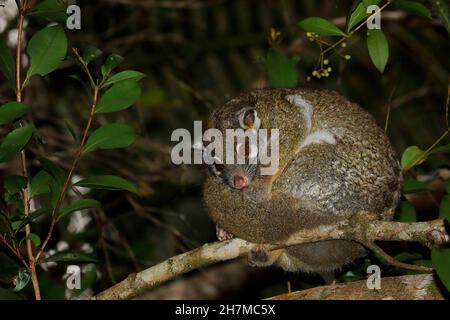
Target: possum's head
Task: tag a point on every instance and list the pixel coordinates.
(240, 115)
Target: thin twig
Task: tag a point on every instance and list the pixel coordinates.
(71, 172)
(388, 113)
(23, 158)
(395, 263)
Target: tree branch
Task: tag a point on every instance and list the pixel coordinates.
(361, 228)
(410, 287)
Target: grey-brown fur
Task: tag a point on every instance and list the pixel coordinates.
(317, 184)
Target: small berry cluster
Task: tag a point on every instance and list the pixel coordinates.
(312, 36)
(323, 71)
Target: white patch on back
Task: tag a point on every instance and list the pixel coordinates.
(319, 137)
(304, 105)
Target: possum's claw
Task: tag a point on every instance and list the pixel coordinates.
(223, 235)
(261, 257)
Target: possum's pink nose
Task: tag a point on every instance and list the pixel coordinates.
(240, 182)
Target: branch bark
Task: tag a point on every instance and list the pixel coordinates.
(410, 287)
(361, 228)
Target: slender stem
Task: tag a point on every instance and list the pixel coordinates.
(389, 107)
(388, 115)
(427, 152)
(436, 143)
(86, 69)
(354, 30)
(23, 157)
(67, 183)
(395, 263)
(14, 250)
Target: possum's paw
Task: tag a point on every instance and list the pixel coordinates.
(261, 257)
(222, 235)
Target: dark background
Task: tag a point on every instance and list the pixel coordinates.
(196, 55)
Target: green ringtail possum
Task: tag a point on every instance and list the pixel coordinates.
(333, 161)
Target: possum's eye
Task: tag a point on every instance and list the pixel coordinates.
(248, 118)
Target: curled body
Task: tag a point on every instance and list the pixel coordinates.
(333, 161)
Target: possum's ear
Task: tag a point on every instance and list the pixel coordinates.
(248, 118)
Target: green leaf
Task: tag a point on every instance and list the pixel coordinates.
(357, 15)
(7, 66)
(378, 48)
(70, 257)
(123, 76)
(112, 62)
(14, 142)
(119, 97)
(18, 225)
(359, 12)
(59, 176)
(40, 184)
(441, 262)
(47, 49)
(79, 205)
(368, 3)
(320, 26)
(21, 280)
(90, 53)
(444, 208)
(414, 186)
(407, 212)
(110, 136)
(281, 70)
(414, 8)
(71, 129)
(412, 156)
(35, 239)
(58, 173)
(107, 182)
(12, 111)
(39, 212)
(53, 10)
(14, 184)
